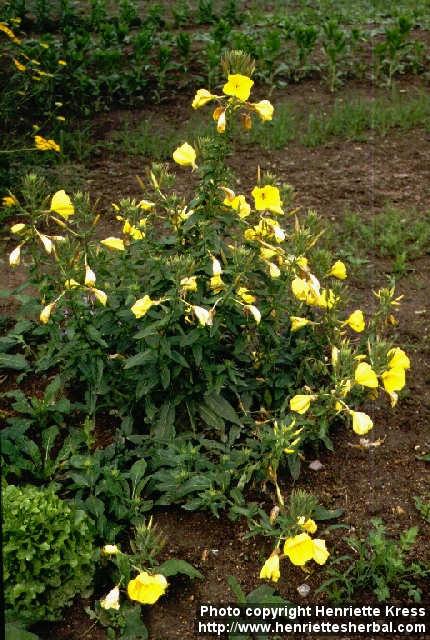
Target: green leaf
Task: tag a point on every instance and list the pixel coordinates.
(13, 361)
(177, 357)
(174, 566)
(95, 335)
(165, 426)
(134, 628)
(211, 418)
(165, 376)
(294, 465)
(140, 358)
(236, 589)
(222, 408)
(321, 513)
(137, 471)
(264, 594)
(14, 632)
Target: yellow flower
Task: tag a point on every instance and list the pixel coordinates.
(203, 315)
(274, 270)
(300, 289)
(146, 205)
(320, 553)
(299, 549)
(110, 550)
(113, 243)
(297, 322)
(239, 204)
(267, 254)
(90, 276)
(398, 359)
(71, 284)
(243, 293)
(47, 243)
(365, 375)
(216, 267)
(338, 270)
(361, 423)
(15, 256)
(254, 311)
(238, 86)
(62, 204)
(221, 122)
(17, 228)
(142, 306)
(185, 156)
(267, 198)
(46, 145)
(10, 34)
(9, 201)
(301, 403)
(136, 234)
(202, 97)
(326, 299)
(146, 589)
(45, 314)
(308, 525)
(264, 109)
(270, 569)
(334, 356)
(100, 295)
(189, 284)
(356, 321)
(393, 379)
(19, 65)
(111, 601)
(216, 283)
(62, 63)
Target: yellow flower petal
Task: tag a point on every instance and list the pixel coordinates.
(113, 243)
(319, 553)
(185, 156)
(45, 314)
(17, 228)
(264, 109)
(254, 312)
(308, 525)
(111, 600)
(361, 422)
(142, 306)
(238, 86)
(203, 315)
(202, 97)
(356, 321)
(189, 284)
(365, 376)
(90, 276)
(299, 549)
(270, 569)
(297, 322)
(15, 256)
(394, 379)
(62, 204)
(338, 270)
(398, 359)
(267, 198)
(147, 589)
(300, 403)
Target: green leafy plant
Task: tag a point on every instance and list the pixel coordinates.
(48, 553)
(380, 564)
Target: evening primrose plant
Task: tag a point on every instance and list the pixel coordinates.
(209, 315)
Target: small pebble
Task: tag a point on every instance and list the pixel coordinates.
(304, 590)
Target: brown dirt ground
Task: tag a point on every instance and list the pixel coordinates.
(379, 482)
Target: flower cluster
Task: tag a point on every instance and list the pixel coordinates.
(299, 549)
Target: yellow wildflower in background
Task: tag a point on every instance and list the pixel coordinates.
(239, 204)
(270, 569)
(189, 284)
(254, 311)
(100, 295)
(17, 228)
(365, 376)
(10, 34)
(393, 379)
(361, 422)
(21, 67)
(9, 201)
(111, 600)
(356, 321)
(62, 63)
(264, 109)
(216, 283)
(202, 97)
(398, 359)
(113, 243)
(204, 316)
(247, 297)
(110, 550)
(300, 403)
(238, 86)
(71, 284)
(298, 323)
(90, 276)
(143, 305)
(267, 198)
(300, 289)
(62, 204)
(15, 256)
(146, 205)
(146, 589)
(46, 145)
(338, 270)
(308, 525)
(45, 314)
(185, 156)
